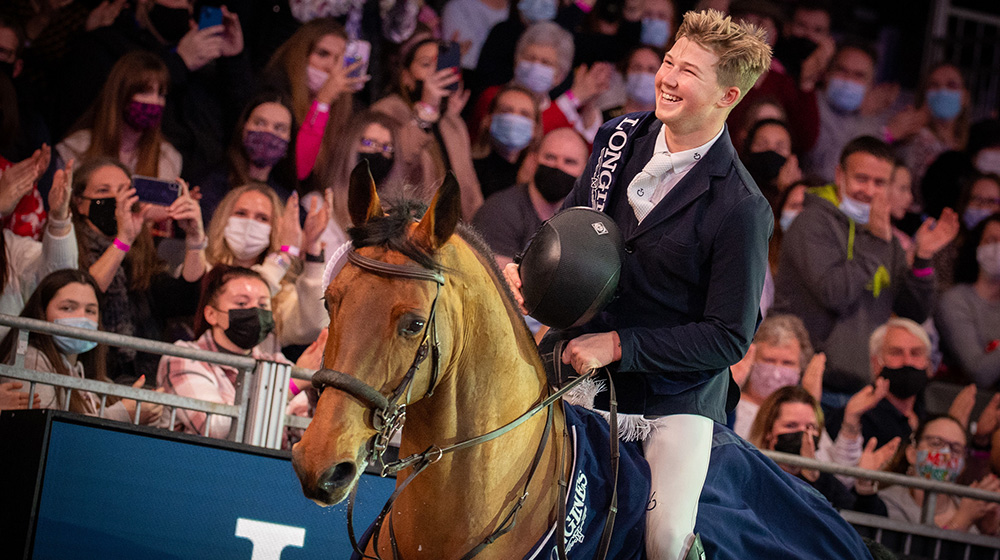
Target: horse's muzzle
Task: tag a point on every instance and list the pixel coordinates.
(330, 486)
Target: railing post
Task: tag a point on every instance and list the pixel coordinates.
(276, 409)
(929, 508)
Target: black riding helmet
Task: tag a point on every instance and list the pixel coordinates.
(570, 268)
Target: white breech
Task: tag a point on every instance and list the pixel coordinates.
(677, 451)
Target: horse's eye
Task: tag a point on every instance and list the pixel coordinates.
(411, 325)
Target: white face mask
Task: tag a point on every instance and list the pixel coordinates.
(247, 238)
(855, 209)
(316, 78)
(988, 257)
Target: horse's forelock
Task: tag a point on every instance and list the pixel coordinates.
(392, 232)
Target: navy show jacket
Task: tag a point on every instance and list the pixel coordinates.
(688, 300)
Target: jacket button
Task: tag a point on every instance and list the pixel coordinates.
(629, 248)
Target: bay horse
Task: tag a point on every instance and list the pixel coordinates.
(423, 328)
(490, 373)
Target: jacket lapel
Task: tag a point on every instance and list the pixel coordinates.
(696, 183)
(641, 153)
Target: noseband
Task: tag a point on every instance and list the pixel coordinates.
(388, 414)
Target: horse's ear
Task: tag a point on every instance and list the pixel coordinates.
(439, 222)
(362, 200)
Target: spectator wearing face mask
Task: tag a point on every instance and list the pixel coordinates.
(124, 122)
(542, 61)
(262, 149)
(508, 219)
(209, 74)
(309, 69)
(495, 66)
(372, 137)
(968, 316)
(768, 157)
(251, 228)
(899, 352)
(900, 197)
(658, 17)
(505, 137)
(781, 356)
(947, 103)
(640, 88)
(791, 421)
(938, 451)
(116, 247)
(796, 96)
(234, 316)
(69, 297)
(842, 272)
(948, 178)
(846, 112)
(979, 200)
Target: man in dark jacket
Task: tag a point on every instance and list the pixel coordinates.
(843, 273)
(696, 229)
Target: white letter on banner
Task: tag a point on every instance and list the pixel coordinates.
(269, 539)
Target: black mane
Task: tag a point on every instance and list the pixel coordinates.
(390, 232)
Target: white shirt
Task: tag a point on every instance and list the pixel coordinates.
(682, 162)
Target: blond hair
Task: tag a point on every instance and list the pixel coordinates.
(741, 47)
(218, 250)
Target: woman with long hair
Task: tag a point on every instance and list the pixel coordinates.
(116, 247)
(791, 421)
(124, 121)
(309, 68)
(252, 229)
(70, 297)
(434, 138)
(262, 149)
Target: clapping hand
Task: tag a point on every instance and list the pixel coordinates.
(961, 407)
(18, 179)
(104, 14)
(289, 230)
(933, 234)
(317, 219)
(59, 194)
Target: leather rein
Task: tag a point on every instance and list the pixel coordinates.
(389, 415)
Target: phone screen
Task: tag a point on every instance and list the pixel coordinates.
(449, 56)
(155, 191)
(357, 50)
(210, 16)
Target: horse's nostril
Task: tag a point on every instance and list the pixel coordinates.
(337, 477)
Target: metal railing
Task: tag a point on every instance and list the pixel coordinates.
(935, 541)
(258, 413)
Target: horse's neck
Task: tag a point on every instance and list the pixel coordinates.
(493, 376)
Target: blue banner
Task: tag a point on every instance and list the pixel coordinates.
(111, 494)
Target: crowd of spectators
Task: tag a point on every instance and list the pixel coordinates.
(884, 266)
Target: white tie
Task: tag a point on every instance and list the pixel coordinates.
(643, 185)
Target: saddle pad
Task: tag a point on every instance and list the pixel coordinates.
(589, 493)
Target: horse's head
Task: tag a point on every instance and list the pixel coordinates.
(382, 349)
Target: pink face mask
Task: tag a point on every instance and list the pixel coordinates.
(765, 379)
(141, 116)
(316, 78)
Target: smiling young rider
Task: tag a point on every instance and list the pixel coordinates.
(696, 229)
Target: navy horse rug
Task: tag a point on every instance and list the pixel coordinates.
(749, 507)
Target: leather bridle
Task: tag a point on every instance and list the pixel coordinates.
(389, 415)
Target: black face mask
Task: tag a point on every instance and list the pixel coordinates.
(764, 167)
(102, 215)
(792, 52)
(379, 165)
(792, 443)
(553, 184)
(8, 69)
(170, 23)
(249, 327)
(906, 381)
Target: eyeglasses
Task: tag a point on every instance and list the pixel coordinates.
(938, 444)
(984, 201)
(386, 149)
